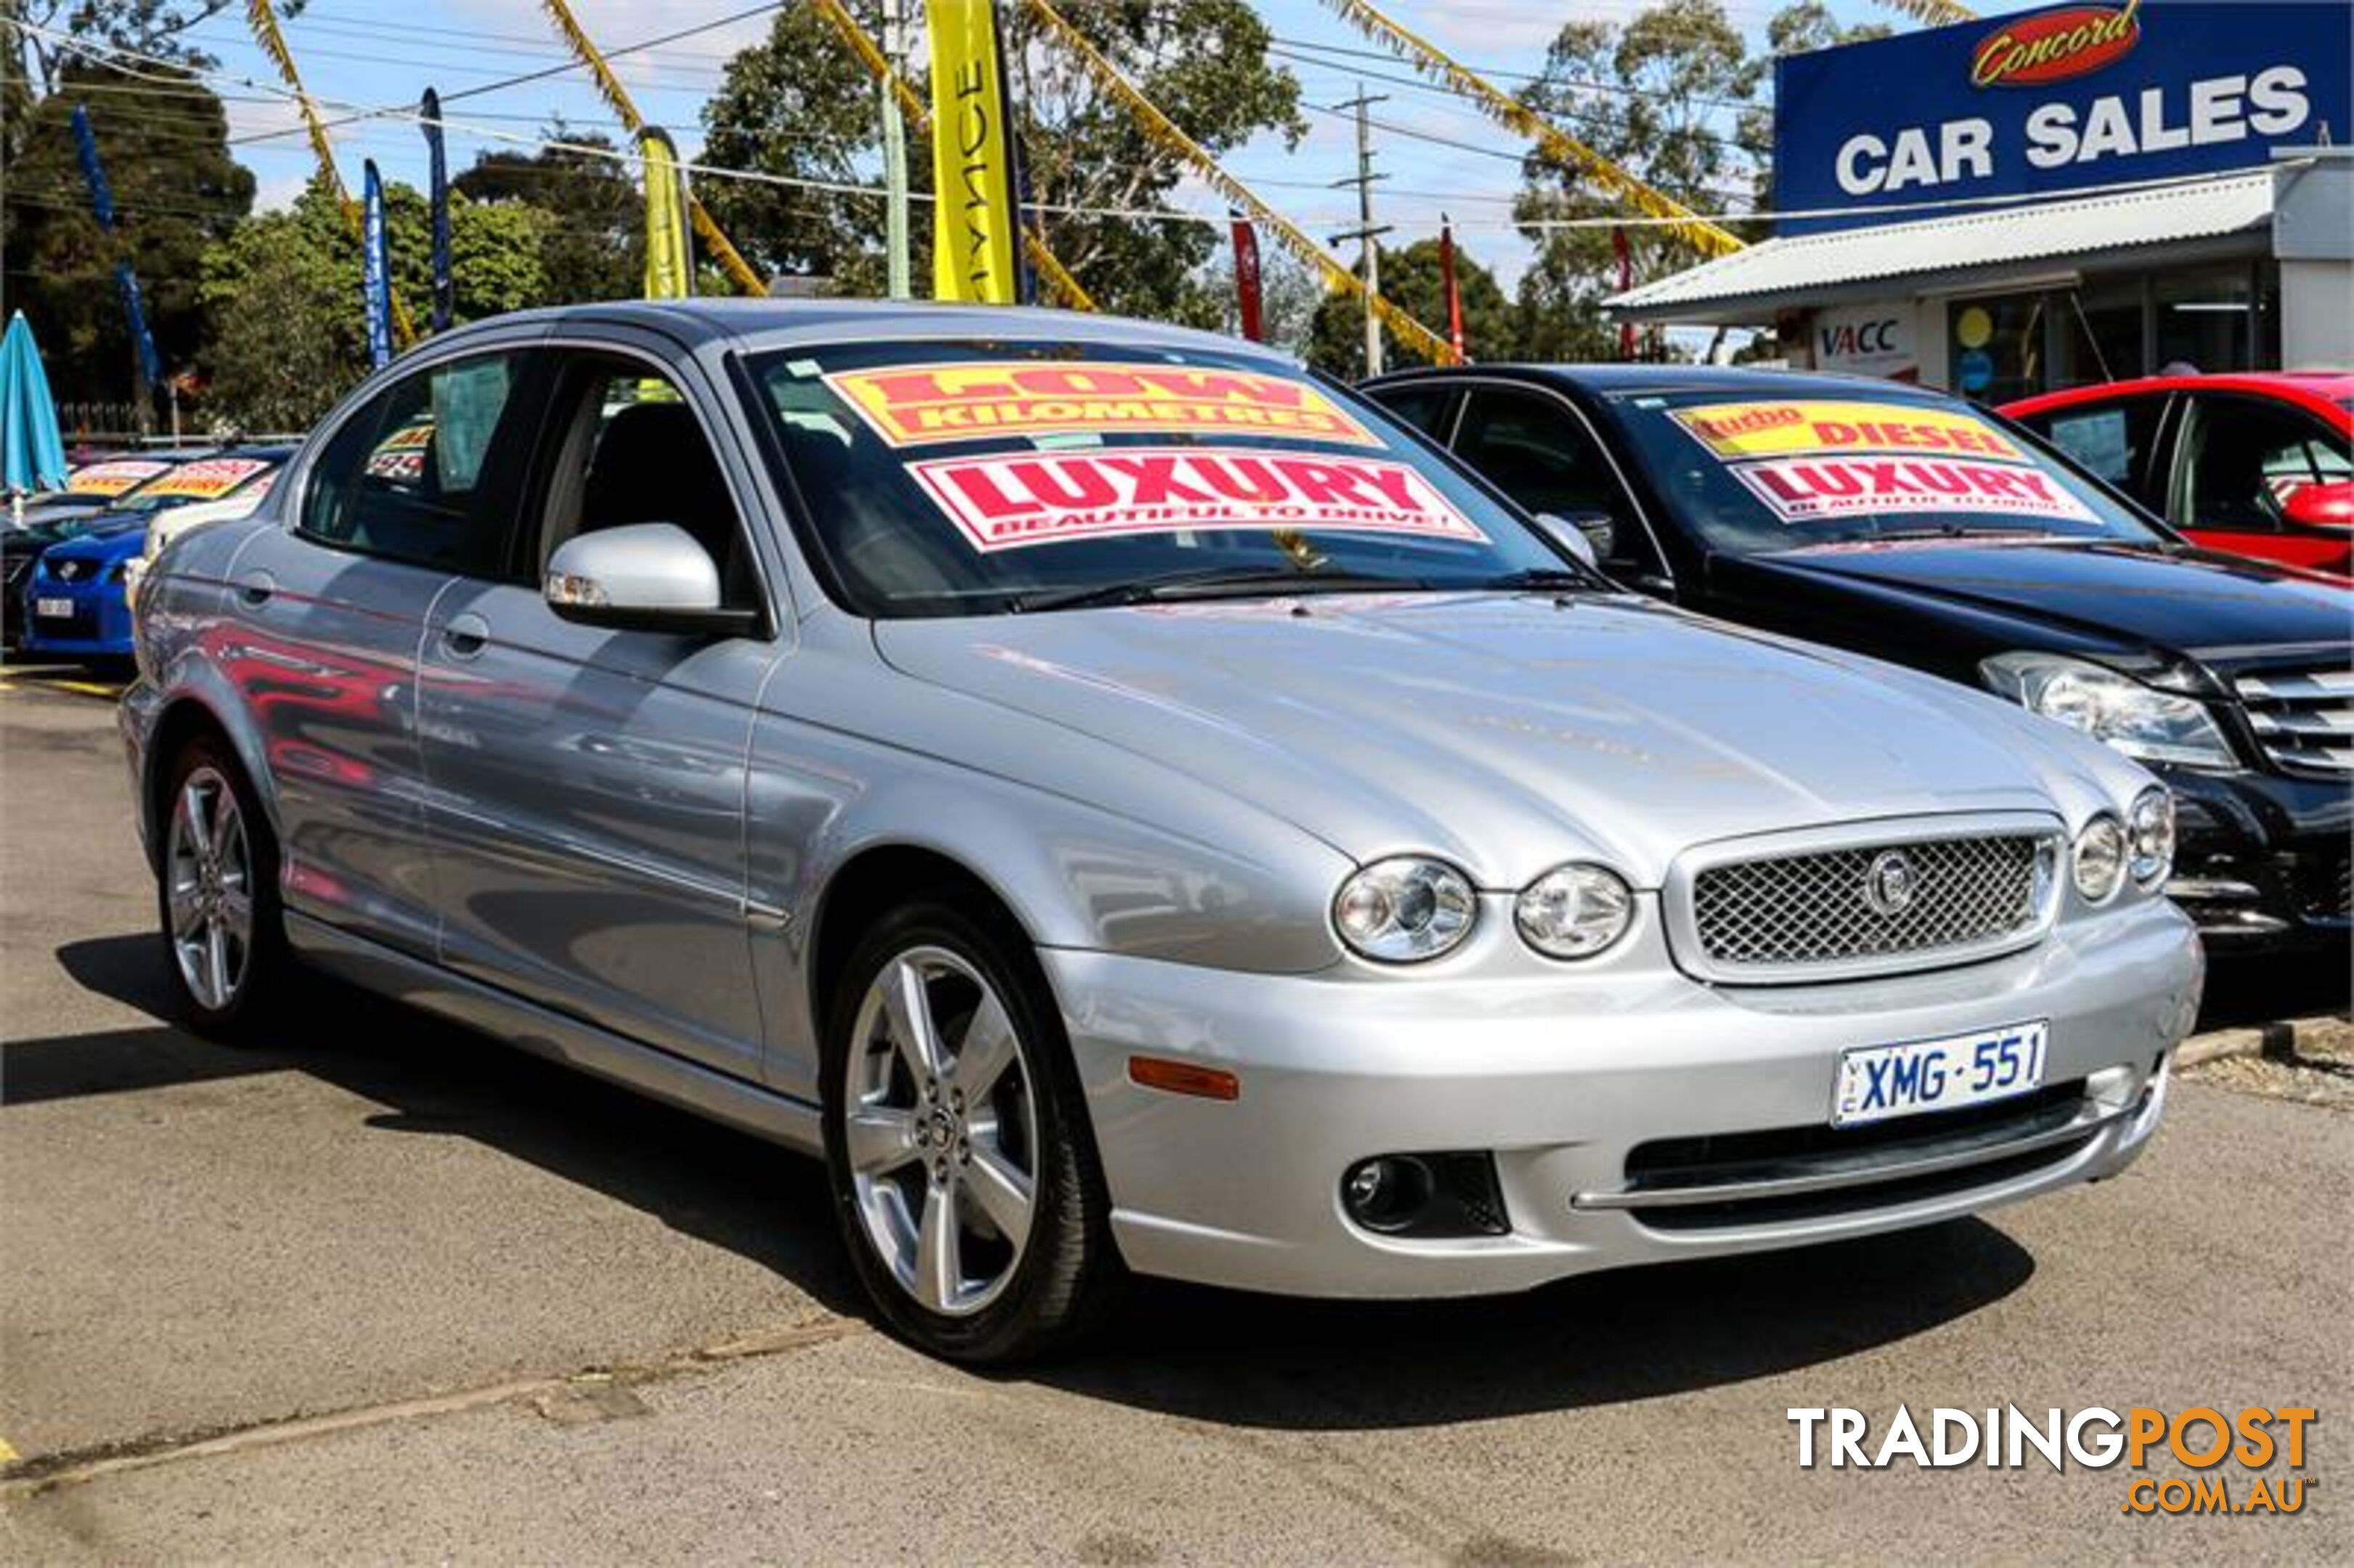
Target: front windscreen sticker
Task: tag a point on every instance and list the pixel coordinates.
(208, 480)
(1805, 427)
(925, 403)
(112, 478)
(1806, 490)
(1007, 501)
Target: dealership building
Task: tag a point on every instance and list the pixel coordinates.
(2057, 196)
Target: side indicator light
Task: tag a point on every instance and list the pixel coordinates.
(1184, 1078)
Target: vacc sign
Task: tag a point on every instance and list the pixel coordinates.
(2057, 99)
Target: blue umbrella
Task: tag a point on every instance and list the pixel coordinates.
(32, 455)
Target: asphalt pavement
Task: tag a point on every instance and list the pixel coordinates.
(381, 1291)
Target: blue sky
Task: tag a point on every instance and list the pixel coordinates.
(354, 51)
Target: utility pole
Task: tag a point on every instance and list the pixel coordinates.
(895, 148)
(1367, 231)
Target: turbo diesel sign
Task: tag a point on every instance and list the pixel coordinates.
(2053, 101)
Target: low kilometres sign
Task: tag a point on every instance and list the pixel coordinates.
(2055, 100)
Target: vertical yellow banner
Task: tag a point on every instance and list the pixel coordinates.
(670, 261)
(973, 249)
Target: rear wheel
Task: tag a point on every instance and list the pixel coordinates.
(957, 1143)
(216, 893)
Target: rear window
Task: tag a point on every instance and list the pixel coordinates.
(962, 478)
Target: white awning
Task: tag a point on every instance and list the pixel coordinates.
(1748, 286)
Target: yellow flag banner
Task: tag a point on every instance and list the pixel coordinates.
(670, 263)
(1056, 277)
(973, 178)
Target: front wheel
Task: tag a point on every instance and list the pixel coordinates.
(957, 1143)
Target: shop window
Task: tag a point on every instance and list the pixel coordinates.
(1995, 346)
(2209, 320)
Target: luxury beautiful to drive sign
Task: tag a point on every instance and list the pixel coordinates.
(2055, 100)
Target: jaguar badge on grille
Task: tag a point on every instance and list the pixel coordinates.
(1892, 882)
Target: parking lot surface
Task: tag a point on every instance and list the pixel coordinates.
(380, 1290)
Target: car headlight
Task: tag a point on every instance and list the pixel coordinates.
(2149, 837)
(2100, 858)
(2141, 721)
(1405, 909)
(1574, 911)
(117, 572)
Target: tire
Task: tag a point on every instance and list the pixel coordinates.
(224, 940)
(926, 1165)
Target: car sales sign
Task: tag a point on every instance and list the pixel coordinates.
(2058, 98)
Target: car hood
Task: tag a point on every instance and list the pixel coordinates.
(2145, 599)
(117, 539)
(1507, 733)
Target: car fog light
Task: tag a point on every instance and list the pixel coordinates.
(2100, 858)
(1405, 909)
(2150, 833)
(1384, 1194)
(1574, 911)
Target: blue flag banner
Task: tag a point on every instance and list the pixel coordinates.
(376, 270)
(126, 281)
(445, 290)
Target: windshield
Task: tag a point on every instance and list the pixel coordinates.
(1773, 473)
(952, 479)
(206, 479)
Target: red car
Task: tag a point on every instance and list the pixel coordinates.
(2255, 464)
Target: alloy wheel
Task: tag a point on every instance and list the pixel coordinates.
(208, 863)
(940, 1129)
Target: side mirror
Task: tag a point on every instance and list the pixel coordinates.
(648, 577)
(2327, 505)
(1588, 535)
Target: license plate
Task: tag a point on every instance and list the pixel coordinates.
(1877, 1082)
(58, 608)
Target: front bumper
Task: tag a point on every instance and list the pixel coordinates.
(98, 625)
(2262, 862)
(1562, 1077)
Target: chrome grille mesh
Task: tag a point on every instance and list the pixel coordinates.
(1802, 910)
(2304, 719)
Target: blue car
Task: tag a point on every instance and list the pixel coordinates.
(76, 603)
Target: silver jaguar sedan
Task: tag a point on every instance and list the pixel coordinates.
(1131, 805)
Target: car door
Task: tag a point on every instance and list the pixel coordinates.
(586, 785)
(1537, 450)
(2238, 459)
(325, 619)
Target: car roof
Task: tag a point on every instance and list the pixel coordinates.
(2313, 388)
(1730, 380)
(784, 323)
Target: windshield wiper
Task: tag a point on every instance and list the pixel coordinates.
(1209, 582)
(1542, 579)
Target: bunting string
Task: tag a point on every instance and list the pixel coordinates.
(1157, 126)
(1555, 143)
(626, 111)
(264, 22)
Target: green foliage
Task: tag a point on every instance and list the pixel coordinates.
(1411, 280)
(593, 243)
(283, 296)
(801, 105)
(176, 193)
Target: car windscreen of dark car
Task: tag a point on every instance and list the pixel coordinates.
(1756, 475)
(985, 477)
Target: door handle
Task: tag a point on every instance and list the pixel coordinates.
(465, 636)
(255, 588)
